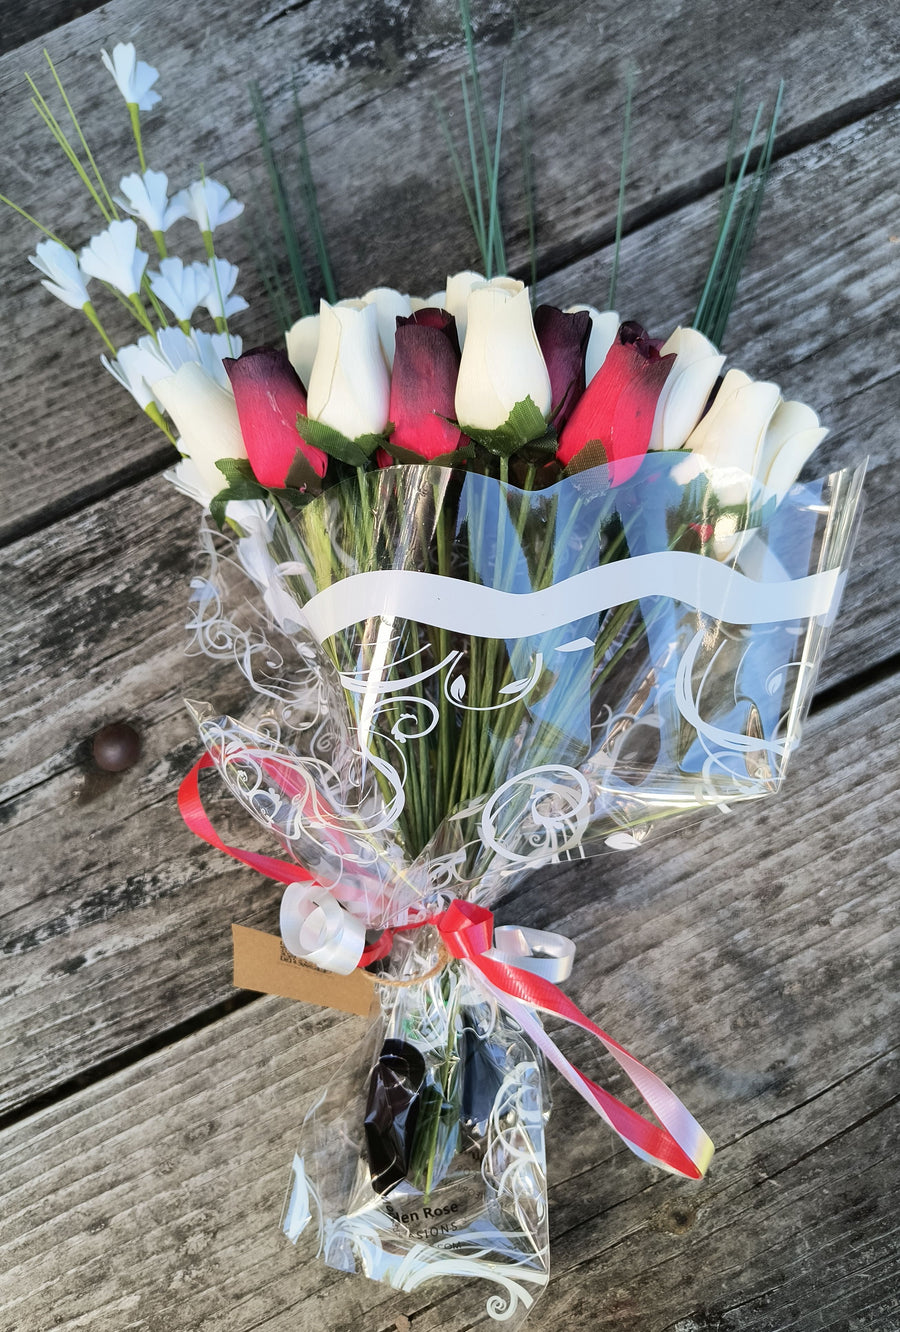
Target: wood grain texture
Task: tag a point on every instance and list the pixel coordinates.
(750, 959)
(21, 23)
(368, 72)
(756, 972)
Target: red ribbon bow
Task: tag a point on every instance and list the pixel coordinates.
(677, 1143)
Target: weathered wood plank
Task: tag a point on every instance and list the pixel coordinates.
(24, 23)
(368, 72)
(752, 961)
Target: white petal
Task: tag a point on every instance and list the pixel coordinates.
(301, 340)
(730, 435)
(186, 477)
(113, 256)
(687, 388)
(604, 327)
(127, 369)
(456, 298)
(390, 305)
(208, 203)
(349, 385)
(65, 278)
(501, 362)
(793, 435)
(206, 418)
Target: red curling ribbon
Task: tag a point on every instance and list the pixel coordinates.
(677, 1143)
(197, 819)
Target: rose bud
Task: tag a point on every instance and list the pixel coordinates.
(426, 364)
(501, 362)
(206, 420)
(269, 398)
(617, 408)
(563, 340)
(687, 389)
(349, 387)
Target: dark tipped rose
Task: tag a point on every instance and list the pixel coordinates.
(423, 384)
(269, 398)
(563, 339)
(613, 419)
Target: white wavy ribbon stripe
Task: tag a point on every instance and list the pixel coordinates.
(472, 609)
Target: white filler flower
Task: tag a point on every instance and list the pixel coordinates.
(145, 197)
(209, 204)
(64, 277)
(180, 289)
(221, 276)
(133, 77)
(113, 256)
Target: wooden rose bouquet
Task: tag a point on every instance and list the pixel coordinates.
(506, 586)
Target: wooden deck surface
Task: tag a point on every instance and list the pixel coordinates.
(148, 1109)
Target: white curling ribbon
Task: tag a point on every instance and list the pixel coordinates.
(667, 1108)
(541, 952)
(470, 608)
(316, 928)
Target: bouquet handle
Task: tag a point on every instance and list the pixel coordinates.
(677, 1144)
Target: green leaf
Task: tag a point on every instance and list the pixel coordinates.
(318, 435)
(217, 509)
(623, 176)
(525, 425)
(297, 498)
(239, 489)
(442, 460)
(236, 469)
(739, 212)
(289, 230)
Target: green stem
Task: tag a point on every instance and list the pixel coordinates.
(91, 313)
(33, 220)
(135, 114)
(141, 314)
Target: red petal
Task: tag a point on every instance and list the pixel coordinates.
(423, 384)
(269, 397)
(618, 407)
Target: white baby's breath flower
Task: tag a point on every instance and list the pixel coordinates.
(113, 256)
(167, 352)
(180, 289)
(145, 197)
(64, 277)
(133, 77)
(141, 364)
(218, 300)
(208, 203)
